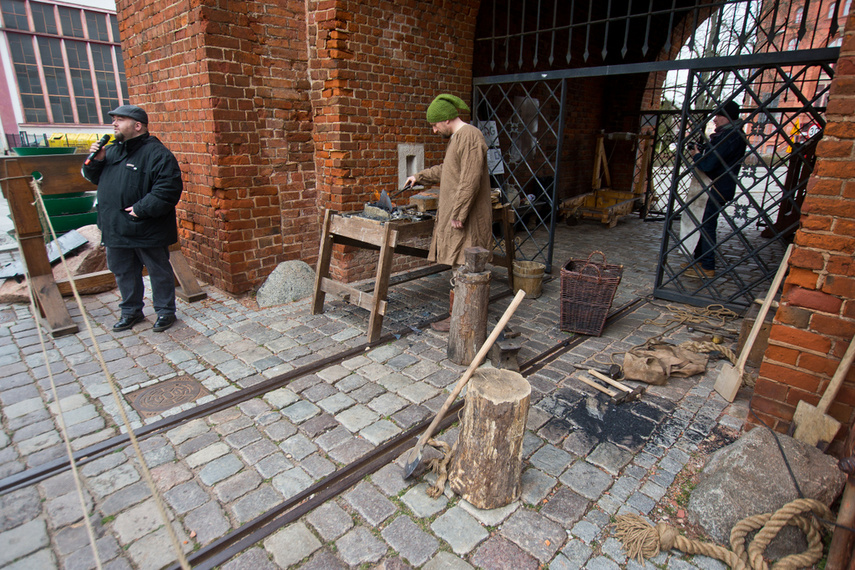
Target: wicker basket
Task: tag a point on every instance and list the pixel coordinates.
(587, 291)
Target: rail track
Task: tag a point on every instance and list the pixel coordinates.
(334, 484)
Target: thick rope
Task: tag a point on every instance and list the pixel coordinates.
(158, 500)
(642, 540)
(439, 465)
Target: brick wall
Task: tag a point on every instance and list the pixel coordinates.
(816, 319)
(225, 85)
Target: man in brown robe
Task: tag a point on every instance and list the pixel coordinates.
(464, 217)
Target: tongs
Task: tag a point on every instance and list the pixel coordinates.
(385, 200)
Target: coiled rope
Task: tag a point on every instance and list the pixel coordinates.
(642, 540)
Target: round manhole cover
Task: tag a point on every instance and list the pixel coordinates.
(156, 399)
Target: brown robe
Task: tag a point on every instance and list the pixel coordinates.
(464, 194)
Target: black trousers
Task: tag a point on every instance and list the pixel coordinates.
(127, 265)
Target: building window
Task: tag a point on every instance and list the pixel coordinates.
(67, 63)
(799, 14)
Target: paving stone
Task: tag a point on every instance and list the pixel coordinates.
(220, 469)
(489, 517)
(565, 507)
(422, 505)
(252, 559)
(297, 447)
(357, 417)
(587, 480)
(601, 563)
(336, 403)
(102, 464)
(333, 438)
(350, 451)
(82, 558)
(192, 446)
(613, 548)
(418, 392)
(207, 454)
(280, 430)
(324, 559)
(243, 437)
(292, 482)
(208, 522)
(447, 561)
(255, 452)
(43, 560)
(291, 544)
(576, 553)
(380, 431)
(610, 457)
(149, 552)
(318, 425)
(237, 486)
(370, 503)
(23, 408)
(551, 460)
(256, 503)
(330, 521)
(498, 552)
(585, 531)
(111, 481)
(23, 540)
(317, 466)
(534, 533)
(66, 509)
(19, 507)
(186, 497)
(366, 393)
(300, 411)
(124, 498)
(273, 465)
(410, 541)
(459, 529)
(169, 475)
(360, 546)
(136, 522)
(390, 480)
(535, 485)
(187, 431)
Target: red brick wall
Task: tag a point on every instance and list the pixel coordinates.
(816, 319)
(225, 85)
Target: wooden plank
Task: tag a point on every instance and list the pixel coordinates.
(83, 282)
(322, 270)
(381, 284)
(60, 172)
(56, 318)
(189, 290)
(363, 299)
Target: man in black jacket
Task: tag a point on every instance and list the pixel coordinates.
(721, 160)
(139, 184)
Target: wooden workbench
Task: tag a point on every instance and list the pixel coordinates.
(386, 237)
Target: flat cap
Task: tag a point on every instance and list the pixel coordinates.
(130, 111)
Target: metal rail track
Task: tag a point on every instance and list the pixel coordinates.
(290, 510)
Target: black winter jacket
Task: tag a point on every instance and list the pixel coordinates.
(142, 173)
(721, 159)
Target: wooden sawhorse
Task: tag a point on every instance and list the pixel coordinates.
(365, 233)
(60, 174)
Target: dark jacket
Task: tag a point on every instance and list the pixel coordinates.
(142, 173)
(721, 159)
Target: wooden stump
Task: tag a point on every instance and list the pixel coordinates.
(487, 468)
(468, 329)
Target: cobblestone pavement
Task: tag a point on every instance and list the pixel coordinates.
(218, 472)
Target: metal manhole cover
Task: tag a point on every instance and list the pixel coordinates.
(157, 398)
(7, 316)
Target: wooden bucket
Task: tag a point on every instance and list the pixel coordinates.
(528, 276)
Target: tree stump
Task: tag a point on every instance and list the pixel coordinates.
(468, 329)
(487, 468)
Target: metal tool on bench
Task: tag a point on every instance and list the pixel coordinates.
(385, 200)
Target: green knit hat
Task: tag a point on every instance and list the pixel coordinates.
(444, 108)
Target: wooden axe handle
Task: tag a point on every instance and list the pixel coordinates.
(837, 379)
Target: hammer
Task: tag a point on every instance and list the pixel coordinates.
(631, 393)
(617, 396)
(613, 371)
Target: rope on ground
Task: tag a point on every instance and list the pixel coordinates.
(120, 404)
(642, 540)
(714, 315)
(439, 465)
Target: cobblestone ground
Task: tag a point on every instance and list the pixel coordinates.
(221, 471)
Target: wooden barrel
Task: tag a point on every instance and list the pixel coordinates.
(528, 276)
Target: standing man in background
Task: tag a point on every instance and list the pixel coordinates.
(464, 216)
(139, 184)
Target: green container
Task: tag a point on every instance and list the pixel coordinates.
(66, 204)
(36, 150)
(68, 222)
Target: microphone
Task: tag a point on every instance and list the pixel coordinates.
(104, 140)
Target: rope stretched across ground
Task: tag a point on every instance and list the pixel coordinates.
(642, 540)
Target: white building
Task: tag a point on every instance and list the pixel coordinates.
(62, 70)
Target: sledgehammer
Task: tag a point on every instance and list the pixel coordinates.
(631, 393)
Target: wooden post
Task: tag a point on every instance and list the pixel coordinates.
(469, 311)
(487, 468)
